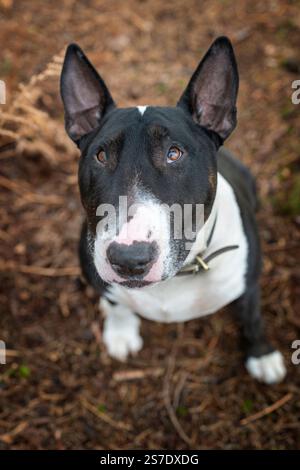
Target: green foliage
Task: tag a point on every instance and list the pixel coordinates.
(247, 406)
(101, 408)
(287, 202)
(182, 411)
(161, 88)
(5, 66)
(24, 371)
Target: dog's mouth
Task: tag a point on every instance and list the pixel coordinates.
(128, 273)
(139, 281)
(134, 283)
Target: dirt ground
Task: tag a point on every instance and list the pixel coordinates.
(188, 387)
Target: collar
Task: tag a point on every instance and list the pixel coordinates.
(200, 263)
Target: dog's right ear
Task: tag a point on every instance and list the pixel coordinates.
(85, 96)
(211, 94)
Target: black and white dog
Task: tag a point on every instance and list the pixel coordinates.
(157, 157)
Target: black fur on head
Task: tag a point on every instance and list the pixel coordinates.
(135, 147)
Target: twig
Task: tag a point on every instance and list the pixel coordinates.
(8, 146)
(104, 416)
(168, 404)
(271, 249)
(179, 388)
(7, 133)
(39, 270)
(267, 410)
(21, 188)
(9, 436)
(200, 408)
(11, 353)
(19, 119)
(137, 374)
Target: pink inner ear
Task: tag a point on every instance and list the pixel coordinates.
(84, 94)
(214, 117)
(84, 122)
(84, 100)
(214, 82)
(212, 92)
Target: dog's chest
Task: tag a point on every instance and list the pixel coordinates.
(184, 298)
(187, 297)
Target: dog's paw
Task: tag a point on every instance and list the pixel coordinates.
(121, 332)
(120, 344)
(269, 368)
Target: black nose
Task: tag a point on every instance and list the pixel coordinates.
(132, 260)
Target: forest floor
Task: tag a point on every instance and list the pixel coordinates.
(188, 387)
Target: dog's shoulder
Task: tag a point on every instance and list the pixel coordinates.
(239, 177)
(243, 185)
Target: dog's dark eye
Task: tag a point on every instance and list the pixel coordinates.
(174, 154)
(101, 157)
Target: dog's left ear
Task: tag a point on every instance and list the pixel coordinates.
(85, 96)
(212, 91)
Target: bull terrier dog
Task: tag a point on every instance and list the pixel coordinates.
(156, 260)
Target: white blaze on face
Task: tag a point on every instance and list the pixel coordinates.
(147, 221)
(142, 109)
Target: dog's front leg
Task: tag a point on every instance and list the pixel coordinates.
(263, 362)
(121, 334)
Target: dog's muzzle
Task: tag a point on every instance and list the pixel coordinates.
(134, 260)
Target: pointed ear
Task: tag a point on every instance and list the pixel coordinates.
(212, 91)
(85, 96)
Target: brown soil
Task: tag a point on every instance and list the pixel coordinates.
(188, 387)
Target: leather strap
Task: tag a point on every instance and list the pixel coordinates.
(200, 263)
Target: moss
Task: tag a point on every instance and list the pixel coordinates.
(161, 87)
(101, 408)
(24, 371)
(5, 67)
(288, 202)
(181, 411)
(288, 111)
(247, 406)
(285, 28)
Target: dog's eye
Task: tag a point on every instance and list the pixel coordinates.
(101, 157)
(174, 154)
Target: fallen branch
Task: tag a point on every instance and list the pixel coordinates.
(169, 407)
(11, 353)
(137, 374)
(9, 436)
(104, 416)
(22, 189)
(39, 270)
(8, 146)
(266, 411)
(276, 248)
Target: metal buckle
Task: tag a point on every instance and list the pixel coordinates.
(201, 263)
(196, 266)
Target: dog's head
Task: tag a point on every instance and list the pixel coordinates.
(145, 171)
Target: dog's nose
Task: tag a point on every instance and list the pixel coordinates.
(132, 260)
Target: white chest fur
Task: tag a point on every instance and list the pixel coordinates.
(187, 297)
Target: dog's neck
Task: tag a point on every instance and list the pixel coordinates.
(208, 231)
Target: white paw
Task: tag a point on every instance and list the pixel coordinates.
(269, 368)
(120, 344)
(121, 331)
